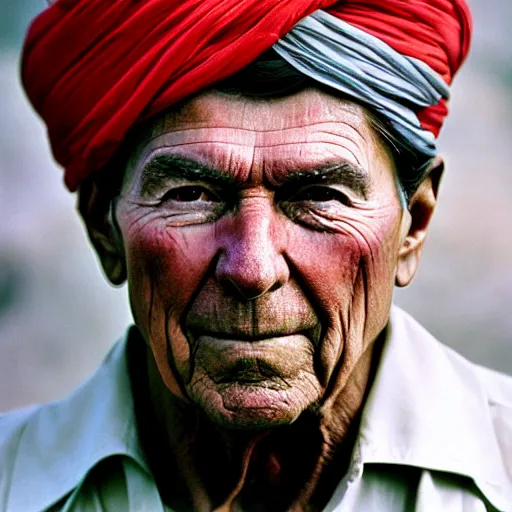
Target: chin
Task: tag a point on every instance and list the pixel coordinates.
(255, 384)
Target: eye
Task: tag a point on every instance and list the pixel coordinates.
(190, 193)
(320, 194)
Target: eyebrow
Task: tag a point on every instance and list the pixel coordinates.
(164, 167)
(342, 172)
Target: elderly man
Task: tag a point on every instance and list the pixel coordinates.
(261, 173)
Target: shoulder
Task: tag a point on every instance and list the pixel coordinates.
(12, 426)
(495, 390)
(11, 423)
(477, 400)
(12, 429)
(498, 389)
(494, 387)
(498, 386)
(50, 448)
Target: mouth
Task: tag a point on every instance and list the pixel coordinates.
(254, 334)
(252, 360)
(247, 334)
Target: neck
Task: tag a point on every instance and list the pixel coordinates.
(200, 466)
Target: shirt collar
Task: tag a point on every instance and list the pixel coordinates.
(427, 408)
(63, 440)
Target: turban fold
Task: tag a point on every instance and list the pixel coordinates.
(94, 68)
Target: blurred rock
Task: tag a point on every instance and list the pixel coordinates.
(65, 316)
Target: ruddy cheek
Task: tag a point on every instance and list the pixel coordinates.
(348, 271)
(374, 244)
(166, 267)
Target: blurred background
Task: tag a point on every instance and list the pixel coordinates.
(58, 316)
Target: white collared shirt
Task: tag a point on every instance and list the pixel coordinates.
(435, 435)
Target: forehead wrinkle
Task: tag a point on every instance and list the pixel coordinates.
(242, 145)
(351, 137)
(246, 146)
(351, 140)
(167, 130)
(302, 160)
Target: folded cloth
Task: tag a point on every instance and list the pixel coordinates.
(94, 68)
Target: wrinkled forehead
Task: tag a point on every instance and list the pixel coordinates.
(308, 127)
(218, 107)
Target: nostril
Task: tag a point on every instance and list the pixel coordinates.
(248, 293)
(275, 286)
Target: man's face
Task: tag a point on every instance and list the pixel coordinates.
(261, 242)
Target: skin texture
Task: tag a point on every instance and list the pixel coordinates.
(261, 292)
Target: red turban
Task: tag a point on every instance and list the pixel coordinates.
(94, 68)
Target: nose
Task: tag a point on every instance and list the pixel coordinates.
(251, 263)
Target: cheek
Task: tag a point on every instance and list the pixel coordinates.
(165, 269)
(350, 273)
(331, 262)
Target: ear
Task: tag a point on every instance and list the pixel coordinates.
(421, 208)
(98, 213)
